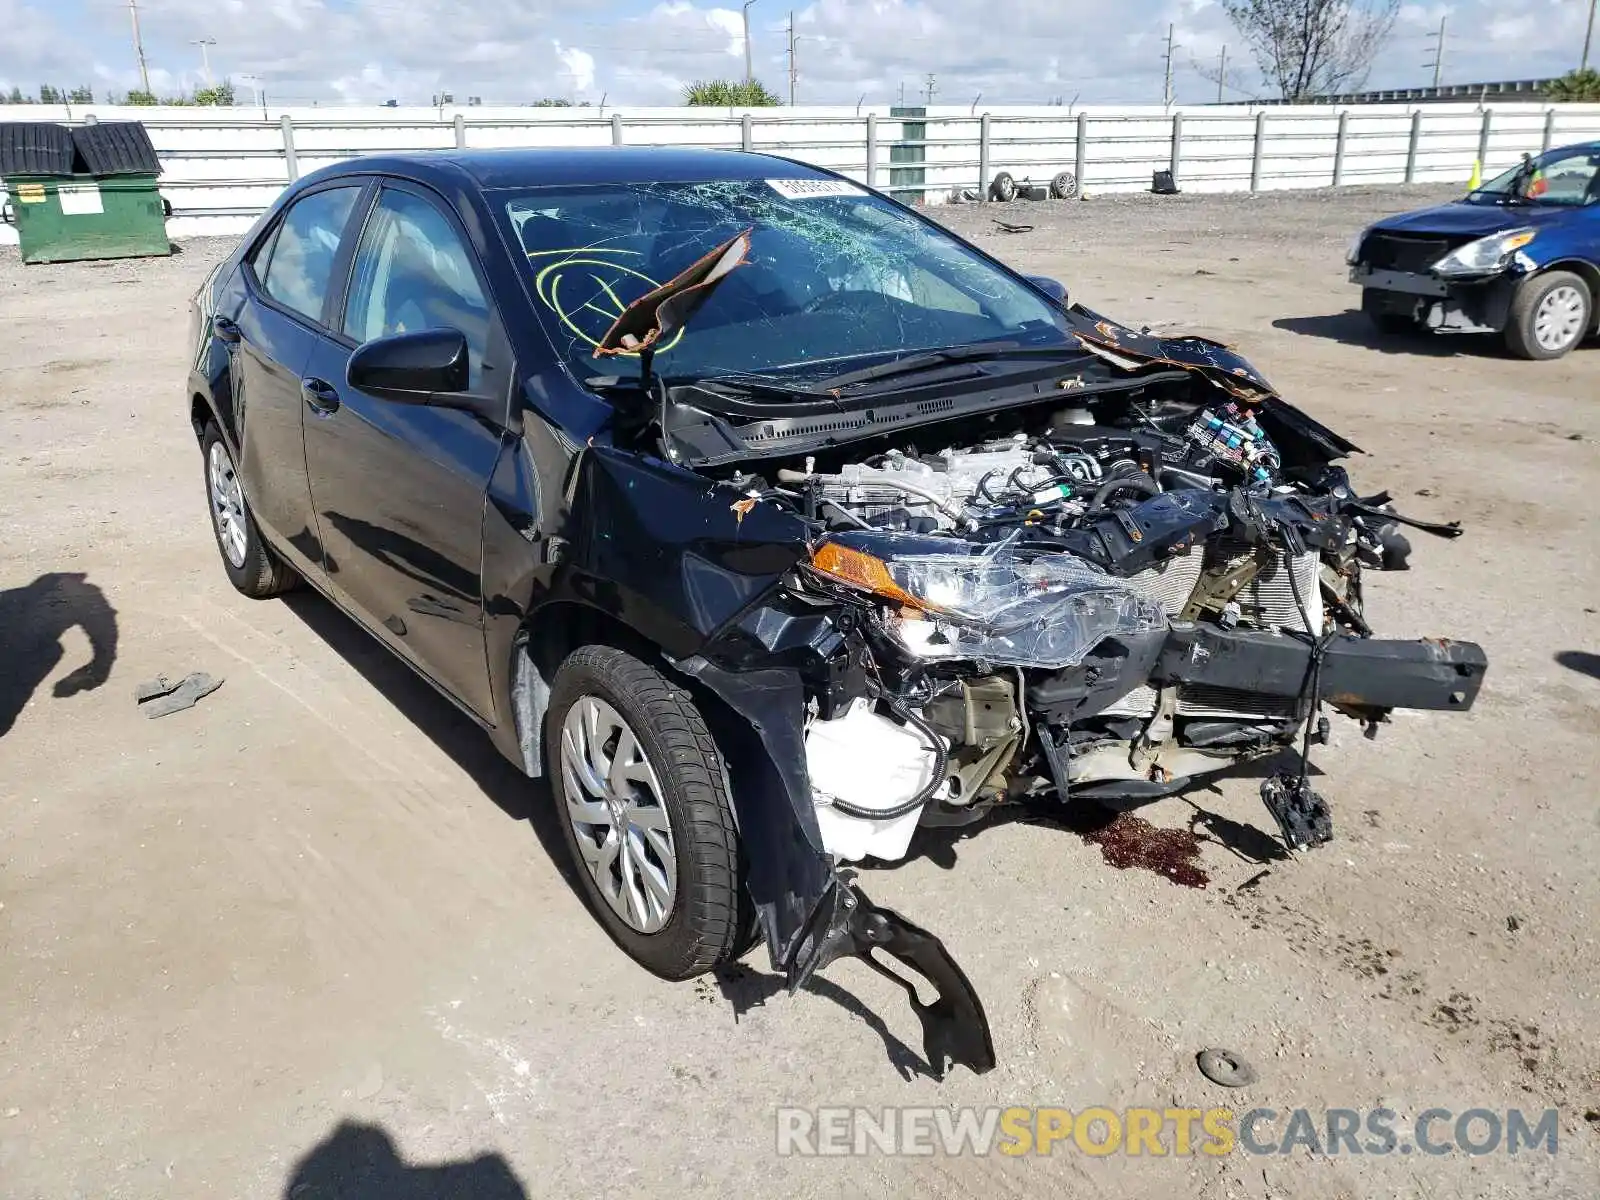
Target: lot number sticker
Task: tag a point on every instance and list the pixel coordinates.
(812, 189)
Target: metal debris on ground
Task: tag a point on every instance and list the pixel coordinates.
(160, 696)
(1008, 227)
(1225, 1068)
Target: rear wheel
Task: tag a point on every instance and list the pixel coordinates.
(1386, 319)
(252, 568)
(1550, 314)
(645, 811)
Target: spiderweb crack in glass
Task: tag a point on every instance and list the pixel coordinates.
(835, 274)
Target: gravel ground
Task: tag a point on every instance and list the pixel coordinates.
(278, 944)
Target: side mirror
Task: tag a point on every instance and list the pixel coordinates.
(1053, 288)
(411, 368)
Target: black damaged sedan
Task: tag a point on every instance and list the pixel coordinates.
(770, 521)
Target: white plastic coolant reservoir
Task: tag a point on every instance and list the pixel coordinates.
(871, 763)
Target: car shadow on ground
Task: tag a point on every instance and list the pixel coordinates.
(1353, 328)
(520, 798)
(1580, 661)
(33, 619)
(361, 1162)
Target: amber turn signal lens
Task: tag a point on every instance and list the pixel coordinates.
(862, 571)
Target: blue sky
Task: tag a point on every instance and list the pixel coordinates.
(643, 51)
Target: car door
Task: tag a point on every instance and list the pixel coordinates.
(399, 489)
(287, 283)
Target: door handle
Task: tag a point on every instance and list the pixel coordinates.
(320, 396)
(226, 330)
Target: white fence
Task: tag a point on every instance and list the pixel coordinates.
(221, 167)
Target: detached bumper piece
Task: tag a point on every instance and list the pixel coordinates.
(1360, 674)
(954, 1027)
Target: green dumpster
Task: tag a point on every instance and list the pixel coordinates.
(84, 193)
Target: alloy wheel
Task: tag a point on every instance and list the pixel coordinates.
(227, 504)
(615, 805)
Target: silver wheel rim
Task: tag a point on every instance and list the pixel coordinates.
(614, 803)
(227, 504)
(1559, 319)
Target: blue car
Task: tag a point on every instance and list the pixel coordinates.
(1520, 256)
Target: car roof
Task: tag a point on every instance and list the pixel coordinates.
(559, 165)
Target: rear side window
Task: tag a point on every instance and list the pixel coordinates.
(300, 269)
(413, 272)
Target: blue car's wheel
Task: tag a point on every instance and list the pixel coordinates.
(1550, 314)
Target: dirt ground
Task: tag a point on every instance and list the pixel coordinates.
(313, 938)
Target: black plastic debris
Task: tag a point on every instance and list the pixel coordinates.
(1225, 1068)
(160, 696)
(35, 148)
(1009, 227)
(1163, 184)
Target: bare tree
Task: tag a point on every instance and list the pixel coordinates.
(1309, 48)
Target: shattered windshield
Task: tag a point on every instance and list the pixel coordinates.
(1562, 178)
(834, 274)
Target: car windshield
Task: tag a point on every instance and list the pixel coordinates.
(836, 275)
(1562, 178)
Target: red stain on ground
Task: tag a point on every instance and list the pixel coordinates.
(1128, 841)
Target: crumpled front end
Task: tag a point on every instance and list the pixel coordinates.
(1101, 604)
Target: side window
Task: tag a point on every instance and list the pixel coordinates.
(303, 250)
(412, 272)
(263, 254)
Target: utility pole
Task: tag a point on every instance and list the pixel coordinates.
(1171, 46)
(794, 69)
(205, 45)
(749, 70)
(1438, 53)
(1588, 36)
(138, 47)
(931, 87)
(1222, 74)
(902, 93)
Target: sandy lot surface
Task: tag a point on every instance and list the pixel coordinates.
(314, 929)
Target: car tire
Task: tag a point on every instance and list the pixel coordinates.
(1004, 188)
(1384, 320)
(251, 565)
(1550, 314)
(605, 704)
(1064, 186)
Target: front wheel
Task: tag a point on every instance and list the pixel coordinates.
(644, 807)
(1550, 314)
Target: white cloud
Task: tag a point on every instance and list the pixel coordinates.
(579, 67)
(1012, 51)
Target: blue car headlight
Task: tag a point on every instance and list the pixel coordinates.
(1486, 256)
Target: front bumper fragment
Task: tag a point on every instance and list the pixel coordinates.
(1358, 673)
(955, 1029)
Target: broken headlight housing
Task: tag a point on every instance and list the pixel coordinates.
(1486, 256)
(995, 605)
